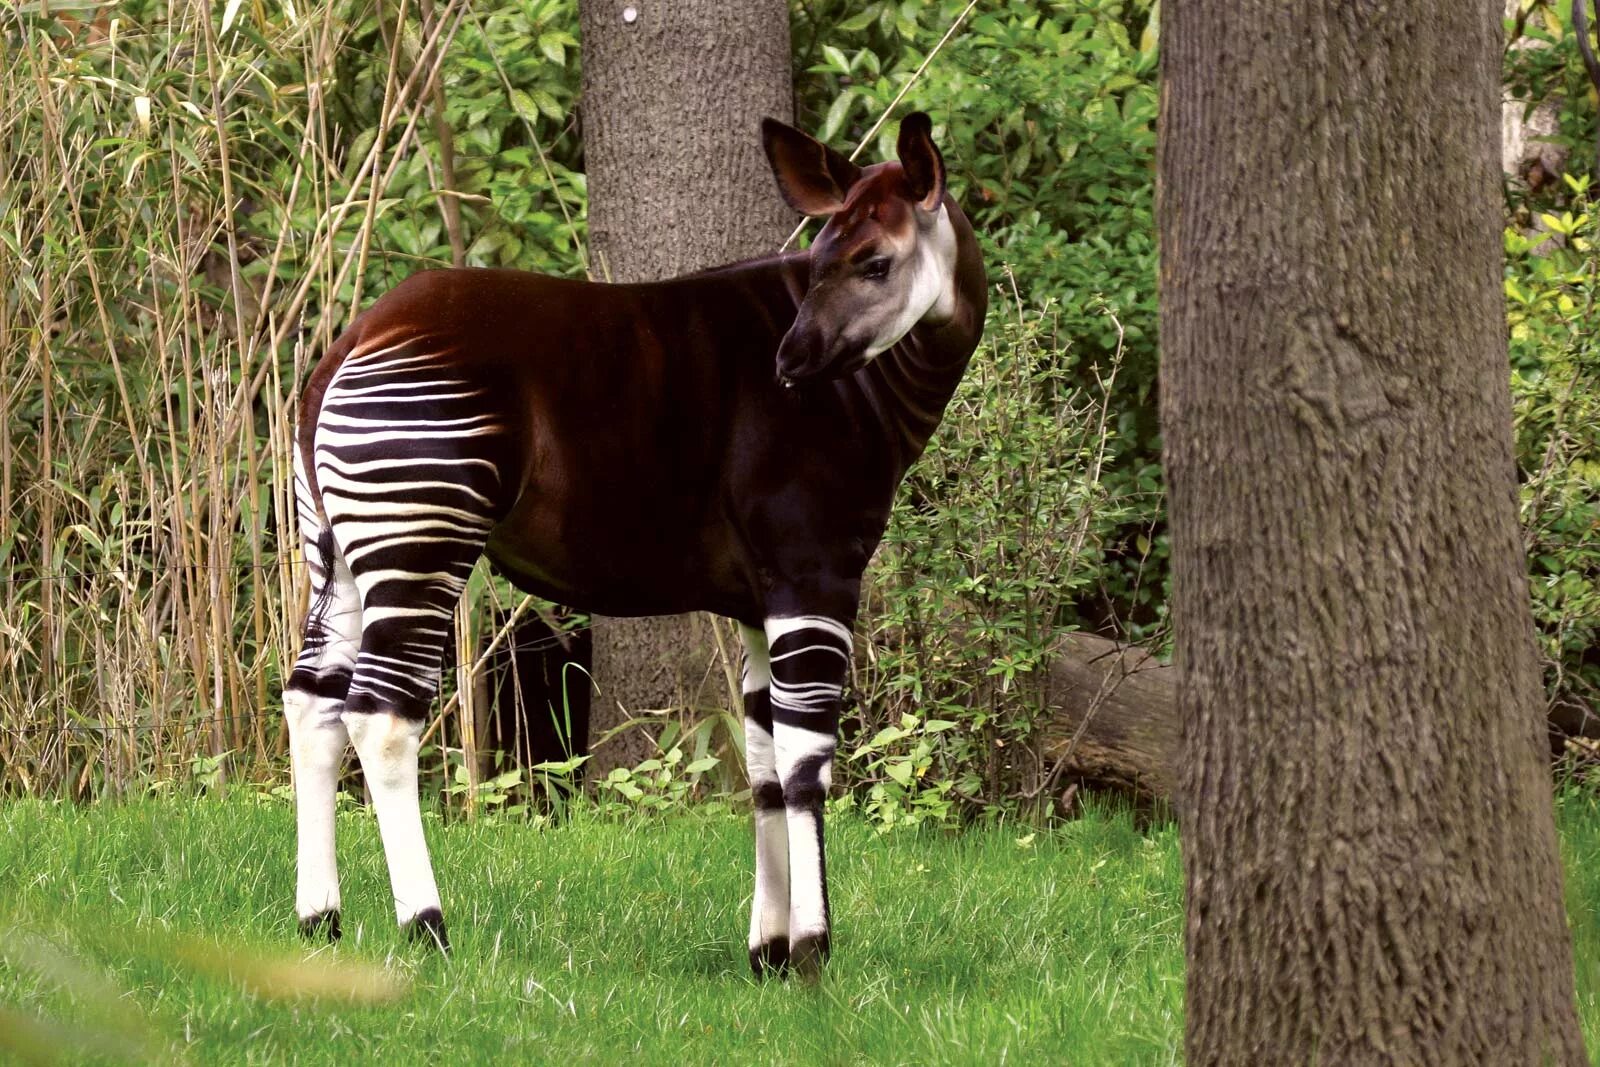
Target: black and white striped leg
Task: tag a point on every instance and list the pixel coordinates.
(406, 616)
(808, 657)
(406, 458)
(313, 702)
(769, 909)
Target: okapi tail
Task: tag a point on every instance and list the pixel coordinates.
(311, 410)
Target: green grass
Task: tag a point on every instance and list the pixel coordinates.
(602, 941)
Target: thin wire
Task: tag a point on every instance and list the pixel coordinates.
(901, 95)
(1580, 24)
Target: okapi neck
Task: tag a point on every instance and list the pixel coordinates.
(916, 378)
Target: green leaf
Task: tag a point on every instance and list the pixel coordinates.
(836, 116)
(857, 23)
(524, 105)
(885, 736)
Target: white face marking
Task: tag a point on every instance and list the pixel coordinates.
(931, 290)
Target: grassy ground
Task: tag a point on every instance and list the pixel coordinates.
(599, 942)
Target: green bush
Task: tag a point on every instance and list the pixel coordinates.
(1553, 303)
(1000, 531)
(510, 83)
(1045, 114)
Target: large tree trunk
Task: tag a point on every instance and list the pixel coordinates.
(673, 97)
(1369, 848)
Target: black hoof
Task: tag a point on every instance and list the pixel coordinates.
(322, 924)
(771, 958)
(428, 929)
(808, 954)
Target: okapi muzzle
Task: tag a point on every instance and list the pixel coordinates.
(885, 260)
(816, 346)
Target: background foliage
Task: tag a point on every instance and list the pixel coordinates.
(193, 200)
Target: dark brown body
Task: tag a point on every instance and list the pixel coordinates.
(653, 464)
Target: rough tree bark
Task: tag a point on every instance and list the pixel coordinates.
(1370, 855)
(673, 97)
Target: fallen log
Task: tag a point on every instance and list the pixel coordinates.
(1115, 721)
(1115, 717)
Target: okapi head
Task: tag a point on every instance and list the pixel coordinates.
(886, 258)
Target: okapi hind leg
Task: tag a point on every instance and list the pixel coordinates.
(313, 702)
(408, 457)
(769, 907)
(387, 744)
(809, 656)
(406, 613)
(410, 580)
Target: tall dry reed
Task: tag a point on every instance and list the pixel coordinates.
(183, 225)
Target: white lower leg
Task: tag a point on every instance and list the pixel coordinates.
(317, 742)
(769, 911)
(387, 745)
(805, 766)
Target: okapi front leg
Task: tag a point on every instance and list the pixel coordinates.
(809, 655)
(769, 908)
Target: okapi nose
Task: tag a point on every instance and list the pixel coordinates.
(797, 357)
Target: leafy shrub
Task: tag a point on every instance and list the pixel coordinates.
(1553, 301)
(510, 86)
(1001, 530)
(1045, 114)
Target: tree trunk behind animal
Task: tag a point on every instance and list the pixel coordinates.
(1370, 855)
(673, 97)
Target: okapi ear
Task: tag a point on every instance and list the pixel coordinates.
(920, 159)
(812, 177)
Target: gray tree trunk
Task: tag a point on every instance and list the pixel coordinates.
(673, 97)
(1370, 855)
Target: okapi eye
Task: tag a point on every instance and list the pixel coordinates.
(877, 269)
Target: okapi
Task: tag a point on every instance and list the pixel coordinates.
(728, 441)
